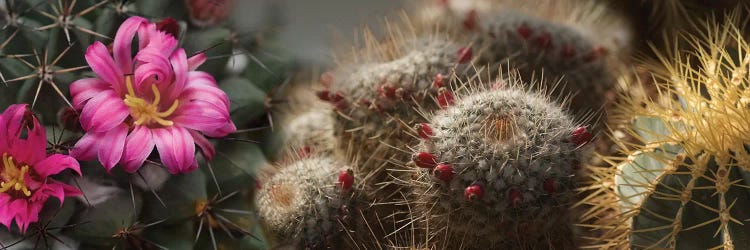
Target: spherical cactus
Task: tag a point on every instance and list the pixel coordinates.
(562, 40)
(498, 171)
(307, 203)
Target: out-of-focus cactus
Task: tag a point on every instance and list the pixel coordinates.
(502, 162)
(683, 184)
(578, 43)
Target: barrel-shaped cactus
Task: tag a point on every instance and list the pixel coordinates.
(683, 185)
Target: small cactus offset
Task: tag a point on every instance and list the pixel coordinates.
(306, 203)
(683, 184)
(502, 162)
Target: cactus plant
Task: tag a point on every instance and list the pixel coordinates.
(502, 161)
(306, 203)
(72, 62)
(578, 43)
(683, 184)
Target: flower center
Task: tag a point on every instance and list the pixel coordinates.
(13, 176)
(145, 112)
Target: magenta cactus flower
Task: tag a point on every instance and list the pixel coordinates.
(153, 99)
(24, 171)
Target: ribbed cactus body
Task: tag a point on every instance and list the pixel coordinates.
(306, 203)
(683, 184)
(501, 162)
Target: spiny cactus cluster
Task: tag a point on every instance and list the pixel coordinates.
(683, 183)
(154, 112)
(442, 148)
(502, 162)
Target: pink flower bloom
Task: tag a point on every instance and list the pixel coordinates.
(155, 99)
(24, 171)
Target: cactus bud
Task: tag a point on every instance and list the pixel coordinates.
(208, 12)
(169, 25)
(444, 172)
(346, 179)
(445, 98)
(515, 197)
(425, 160)
(68, 118)
(438, 82)
(581, 136)
(424, 130)
(464, 55)
(470, 22)
(473, 192)
(549, 185)
(524, 31)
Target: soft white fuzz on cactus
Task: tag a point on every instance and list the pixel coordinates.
(496, 170)
(306, 203)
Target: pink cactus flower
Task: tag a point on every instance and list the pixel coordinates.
(154, 99)
(24, 171)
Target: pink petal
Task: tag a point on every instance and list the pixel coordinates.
(87, 147)
(207, 149)
(11, 122)
(114, 140)
(176, 149)
(25, 213)
(34, 147)
(196, 61)
(103, 112)
(56, 163)
(138, 145)
(124, 41)
(180, 67)
(84, 89)
(104, 66)
(6, 215)
(152, 65)
(202, 86)
(206, 117)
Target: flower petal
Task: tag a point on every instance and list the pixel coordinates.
(138, 145)
(180, 67)
(196, 61)
(124, 41)
(56, 163)
(11, 122)
(115, 141)
(103, 112)
(207, 149)
(206, 117)
(6, 215)
(84, 89)
(104, 66)
(202, 86)
(87, 147)
(176, 149)
(34, 147)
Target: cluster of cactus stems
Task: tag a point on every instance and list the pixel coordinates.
(142, 177)
(441, 144)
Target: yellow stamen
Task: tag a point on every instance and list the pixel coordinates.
(14, 177)
(146, 113)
